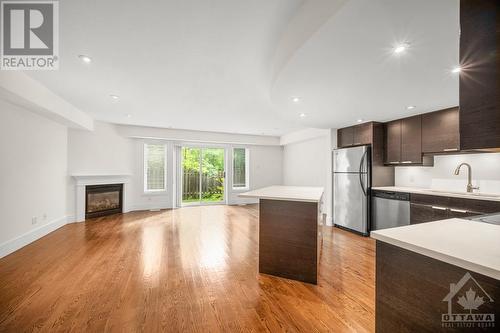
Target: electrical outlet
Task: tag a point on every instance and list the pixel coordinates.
(34, 220)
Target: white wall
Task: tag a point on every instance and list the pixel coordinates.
(266, 167)
(99, 152)
(485, 173)
(33, 176)
(139, 200)
(107, 151)
(307, 162)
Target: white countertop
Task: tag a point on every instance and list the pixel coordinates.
(288, 193)
(443, 193)
(474, 246)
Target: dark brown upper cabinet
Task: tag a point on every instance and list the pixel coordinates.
(393, 142)
(355, 135)
(404, 142)
(440, 131)
(370, 133)
(363, 134)
(479, 78)
(345, 137)
(411, 140)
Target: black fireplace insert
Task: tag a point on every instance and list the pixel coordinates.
(101, 200)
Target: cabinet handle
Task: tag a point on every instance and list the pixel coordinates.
(450, 149)
(438, 208)
(458, 211)
(393, 162)
(407, 162)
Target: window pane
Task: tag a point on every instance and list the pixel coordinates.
(239, 167)
(155, 167)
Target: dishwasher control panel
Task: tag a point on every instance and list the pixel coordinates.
(391, 195)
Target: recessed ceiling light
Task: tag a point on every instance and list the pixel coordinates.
(401, 48)
(295, 99)
(410, 107)
(129, 115)
(302, 115)
(360, 120)
(456, 69)
(85, 59)
(114, 97)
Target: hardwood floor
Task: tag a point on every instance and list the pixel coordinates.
(187, 270)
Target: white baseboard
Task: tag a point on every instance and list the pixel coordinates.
(16, 243)
(71, 219)
(149, 206)
(329, 221)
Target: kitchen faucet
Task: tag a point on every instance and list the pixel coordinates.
(470, 188)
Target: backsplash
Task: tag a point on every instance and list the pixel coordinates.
(485, 173)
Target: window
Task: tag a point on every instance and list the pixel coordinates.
(240, 168)
(154, 168)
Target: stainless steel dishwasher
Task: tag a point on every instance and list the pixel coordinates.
(390, 209)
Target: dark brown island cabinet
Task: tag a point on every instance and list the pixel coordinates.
(290, 231)
(418, 293)
(479, 79)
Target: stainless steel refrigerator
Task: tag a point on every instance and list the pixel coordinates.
(351, 188)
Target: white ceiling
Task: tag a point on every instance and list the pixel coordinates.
(348, 71)
(213, 65)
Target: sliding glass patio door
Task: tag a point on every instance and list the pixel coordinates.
(203, 175)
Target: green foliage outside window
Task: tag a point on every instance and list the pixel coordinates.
(211, 180)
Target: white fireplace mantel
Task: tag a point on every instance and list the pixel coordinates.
(82, 180)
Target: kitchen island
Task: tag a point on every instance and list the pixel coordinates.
(438, 276)
(288, 231)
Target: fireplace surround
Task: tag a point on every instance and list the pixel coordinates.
(83, 181)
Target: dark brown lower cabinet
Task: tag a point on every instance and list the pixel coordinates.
(428, 208)
(424, 213)
(460, 213)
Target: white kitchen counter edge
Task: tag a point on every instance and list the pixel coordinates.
(278, 198)
(297, 197)
(481, 269)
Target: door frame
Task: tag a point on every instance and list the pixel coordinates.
(179, 173)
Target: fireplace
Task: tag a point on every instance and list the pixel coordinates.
(101, 200)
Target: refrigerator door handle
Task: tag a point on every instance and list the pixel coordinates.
(361, 173)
